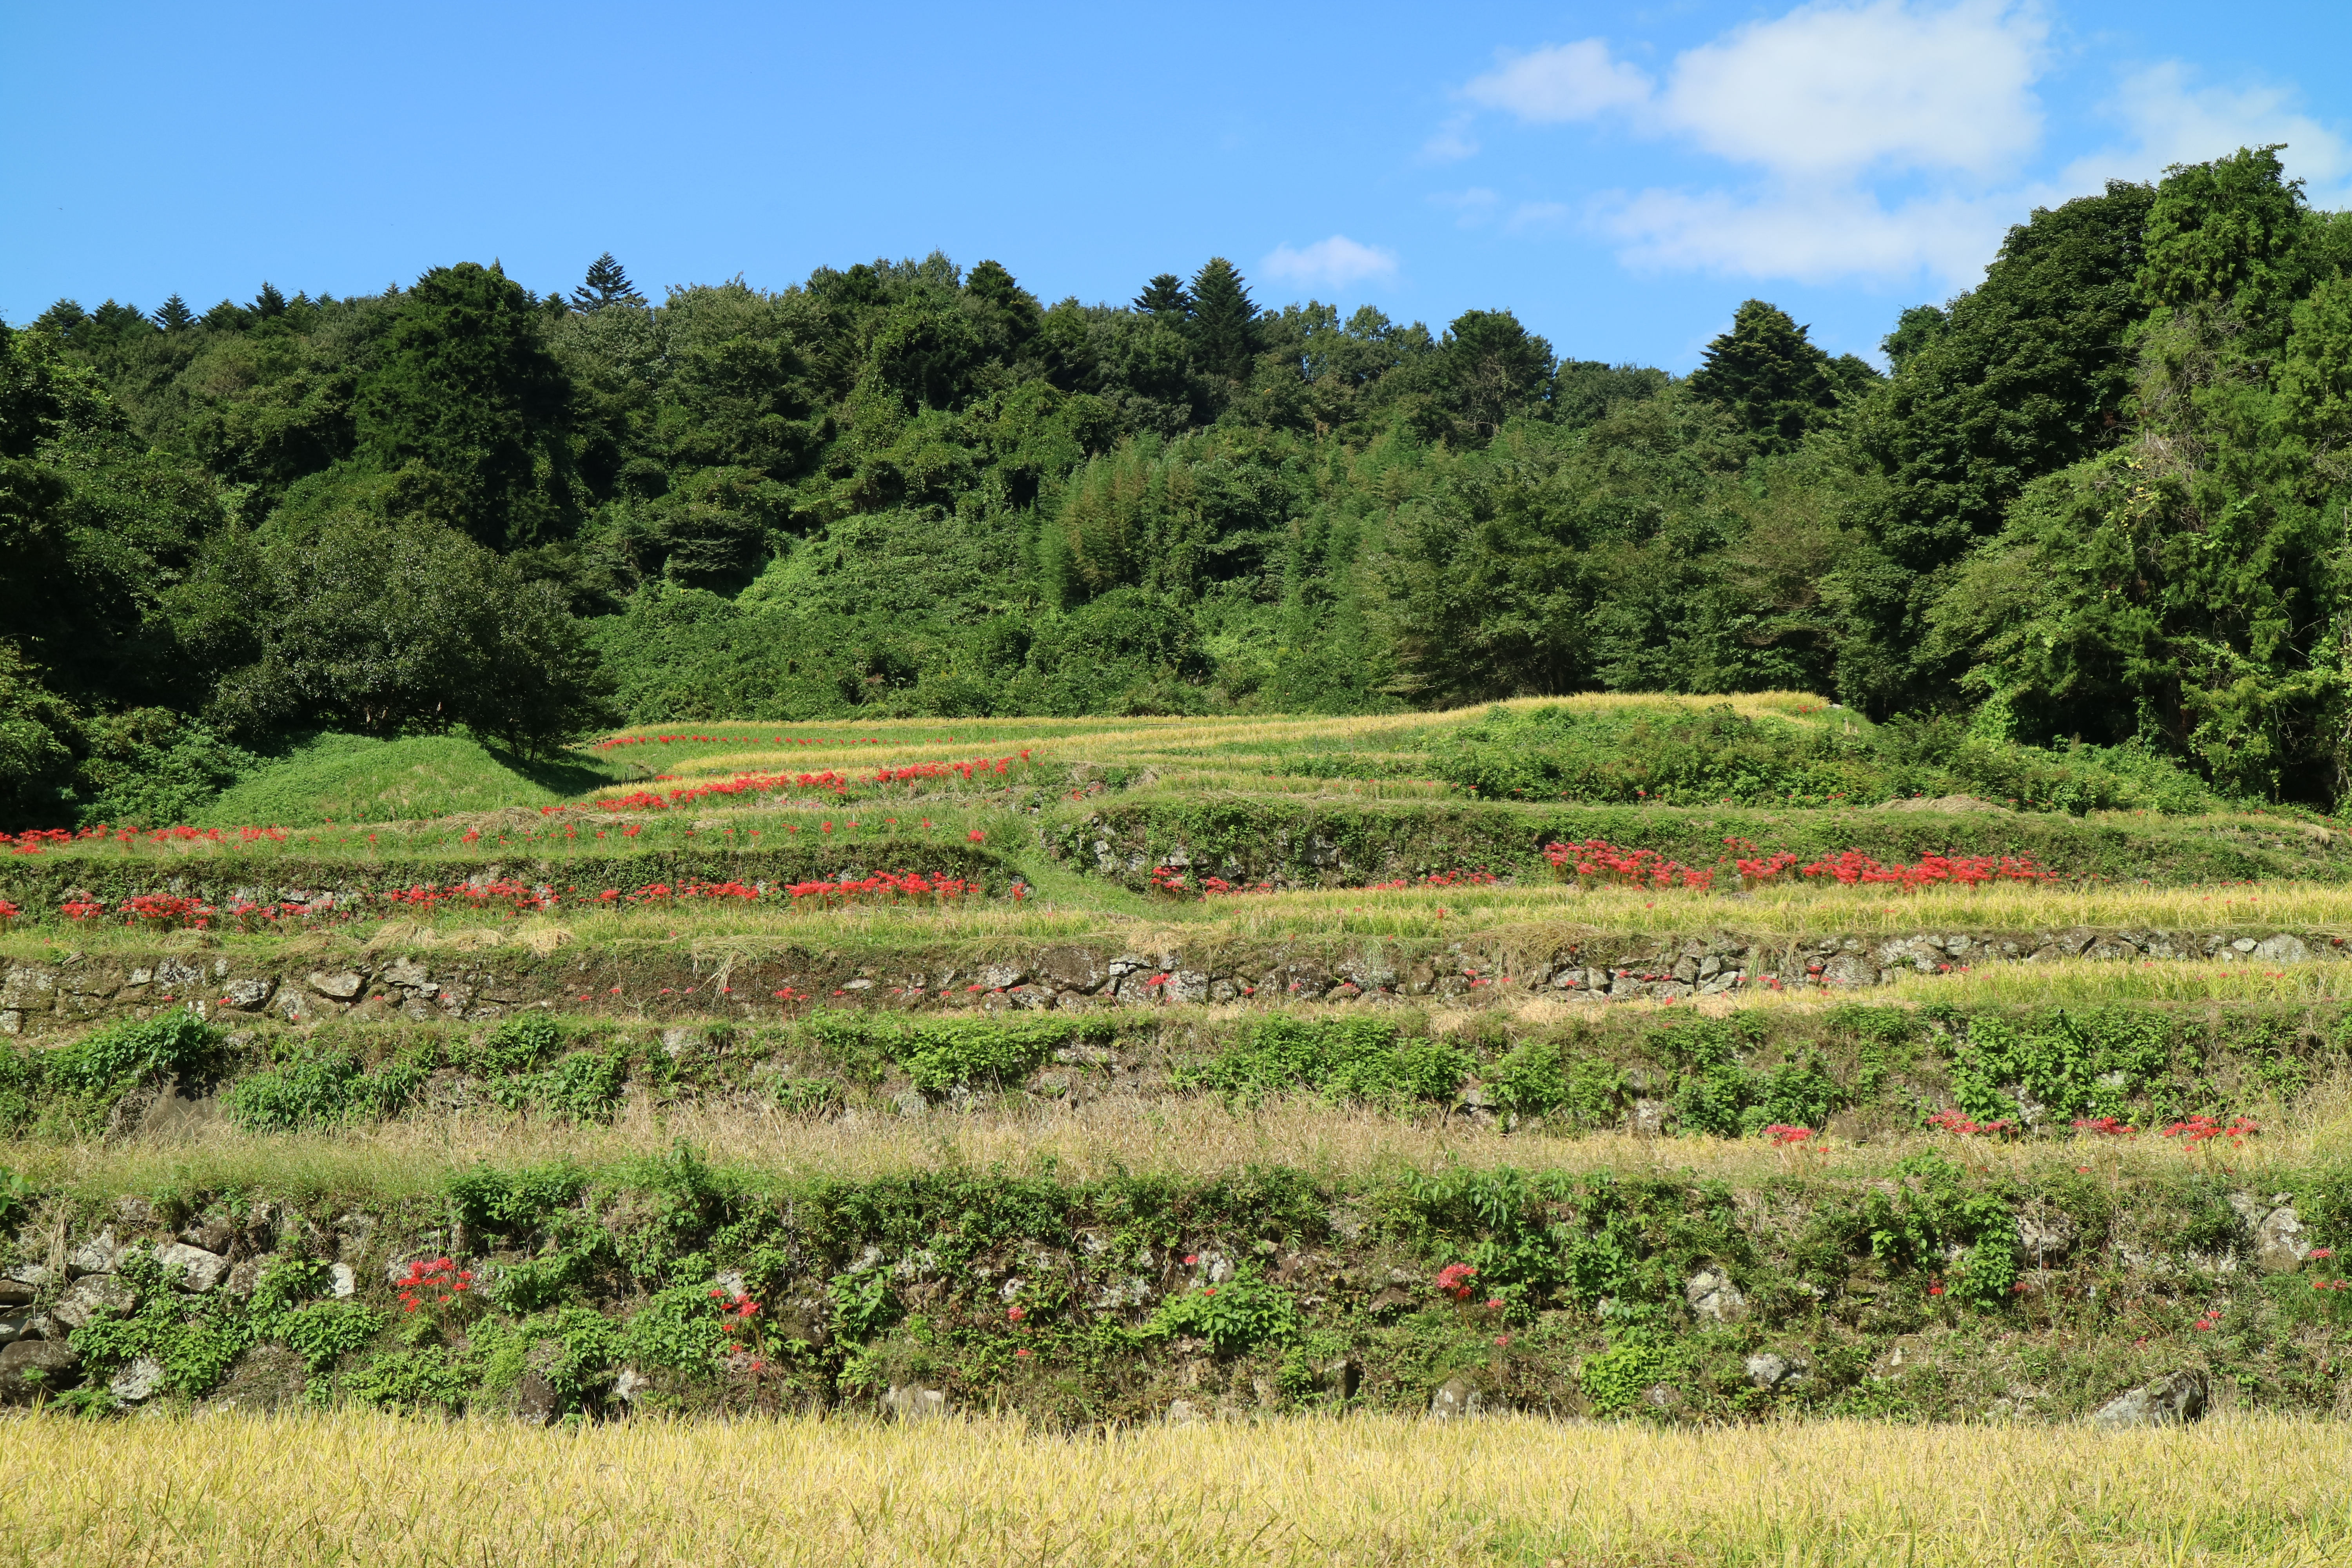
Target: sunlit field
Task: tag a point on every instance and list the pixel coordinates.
(1504, 1490)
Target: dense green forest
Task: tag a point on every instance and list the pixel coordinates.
(2104, 498)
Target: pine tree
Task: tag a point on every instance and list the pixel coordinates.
(1766, 372)
(268, 302)
(175, 316)
(1165, 296)
(606, 285)
(1224, 320)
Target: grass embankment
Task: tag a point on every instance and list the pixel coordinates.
(1524, 1493)
(354, 778)
(1234, 1086)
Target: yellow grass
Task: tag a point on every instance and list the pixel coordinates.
(1508, 1491)
(1193, 1139)
(2079, 983)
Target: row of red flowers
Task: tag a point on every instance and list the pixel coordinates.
(165, 911)
(829, 781)
(33, 840)
(1597, 859)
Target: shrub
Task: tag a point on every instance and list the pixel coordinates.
(2084, 1064)
(677, 1331)
(430, 1377)
(940, 1053)
(1238, 1315)
(319, 1087)
(1351, 1059)
(323, 1333)
(490, 1201)
(1615, 1379)
(124, 1056)
(584, 1086)
(519, 1045)
(1531, 1081)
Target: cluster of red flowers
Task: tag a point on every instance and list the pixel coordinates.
(8, 911)
(829, 781)
(886, 887)
(1627, 868)
(2200, 1129)
(1955, 1121)
(32, 841)
(164, 911)
(1454, 1280)
(425, 899)
(1967, 870)
(2106, 1126)
(2210, 1319)
(737, 1311)
(435, 1282)
(1785, 1135)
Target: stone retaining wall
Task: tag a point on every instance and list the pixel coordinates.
(47, 996)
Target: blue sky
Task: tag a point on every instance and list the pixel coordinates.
(1620, 176)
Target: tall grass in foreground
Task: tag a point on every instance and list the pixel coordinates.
(381, 1490)
(1194, 1139)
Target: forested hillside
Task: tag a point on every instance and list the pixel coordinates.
(2102, 498)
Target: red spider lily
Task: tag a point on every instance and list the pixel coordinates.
(2201, 1129)
(1454, 1280)
(2106, 1126)
(1597, 858)
(1955, 1121)
(1854, 866)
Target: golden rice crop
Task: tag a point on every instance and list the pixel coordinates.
(383, 1489)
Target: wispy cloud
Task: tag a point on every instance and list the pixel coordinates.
(1333, 262)
(1821, 103)
(1451, 141)
(2171, 119)
(1470, 207)
(1561, 82)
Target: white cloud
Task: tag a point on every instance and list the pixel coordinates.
(1874, 139)
(1813, 237)
(1561, 82)
(1830, 90)
(1334, 263)
(1820, 101)
(1827, 88)
(2173, 121)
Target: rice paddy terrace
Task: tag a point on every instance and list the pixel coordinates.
(1656, 1060)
